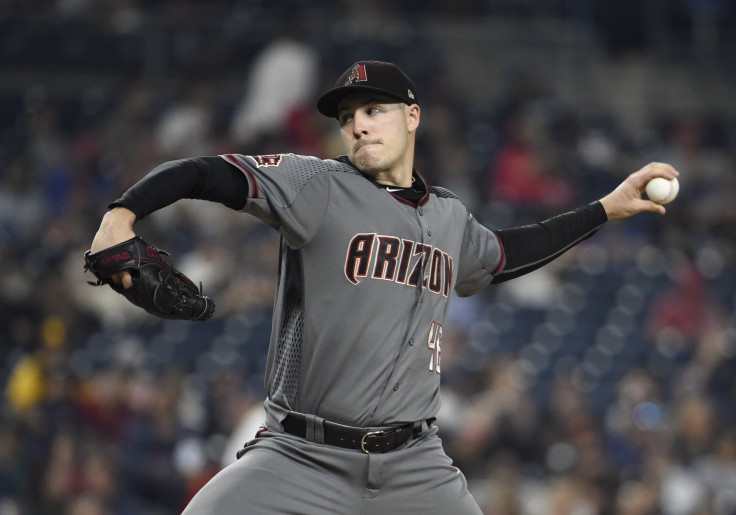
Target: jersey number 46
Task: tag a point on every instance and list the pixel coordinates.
(434, 343)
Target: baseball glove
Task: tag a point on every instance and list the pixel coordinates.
(158, 287)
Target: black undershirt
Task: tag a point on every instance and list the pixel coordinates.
(410, 193)
(526, 248)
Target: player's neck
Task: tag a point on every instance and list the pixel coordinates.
(399, 175)
(402, 180)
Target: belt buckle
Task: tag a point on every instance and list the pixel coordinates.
(371, 434)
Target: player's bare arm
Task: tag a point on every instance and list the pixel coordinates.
(116, 227)
(626, 200)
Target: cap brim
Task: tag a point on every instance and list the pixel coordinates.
(327, 104)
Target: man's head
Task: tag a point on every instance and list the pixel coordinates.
(375, 105)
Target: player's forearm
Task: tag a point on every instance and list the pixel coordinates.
(206, 178)
(532, 246)
(116, 226)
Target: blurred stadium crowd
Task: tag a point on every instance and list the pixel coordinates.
(604, 383)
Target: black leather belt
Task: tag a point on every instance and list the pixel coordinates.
(367, 441)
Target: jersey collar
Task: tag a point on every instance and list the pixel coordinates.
(418, 197)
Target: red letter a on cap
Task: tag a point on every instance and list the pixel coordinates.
(357, 74)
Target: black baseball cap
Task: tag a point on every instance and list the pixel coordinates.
(370, 76)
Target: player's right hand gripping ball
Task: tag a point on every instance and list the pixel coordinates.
(158, 287)
(661, 190)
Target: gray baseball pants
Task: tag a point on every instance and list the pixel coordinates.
(283, 474)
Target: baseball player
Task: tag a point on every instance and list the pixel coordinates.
(370, 256)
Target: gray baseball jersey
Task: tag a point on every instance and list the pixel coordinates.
(365, 280)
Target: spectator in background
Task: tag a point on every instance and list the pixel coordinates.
(128, 134)
(522, 172)
(493, 422)
(696, 145)
(683, 315)
(184, 130)
(150, 479)
(282, 80)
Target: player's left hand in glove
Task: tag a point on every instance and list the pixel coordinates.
(157, 287)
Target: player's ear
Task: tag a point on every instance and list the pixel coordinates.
(412, 117)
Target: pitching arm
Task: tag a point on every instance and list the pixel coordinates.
(532, 246)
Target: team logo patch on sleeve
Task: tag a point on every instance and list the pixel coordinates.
(267, 160)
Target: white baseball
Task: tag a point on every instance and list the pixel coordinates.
(661, 190)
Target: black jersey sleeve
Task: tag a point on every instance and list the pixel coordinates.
(206, 178)
(529, 247)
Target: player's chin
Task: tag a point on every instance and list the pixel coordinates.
(369, 165)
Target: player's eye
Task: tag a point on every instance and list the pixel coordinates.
(342, 120)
